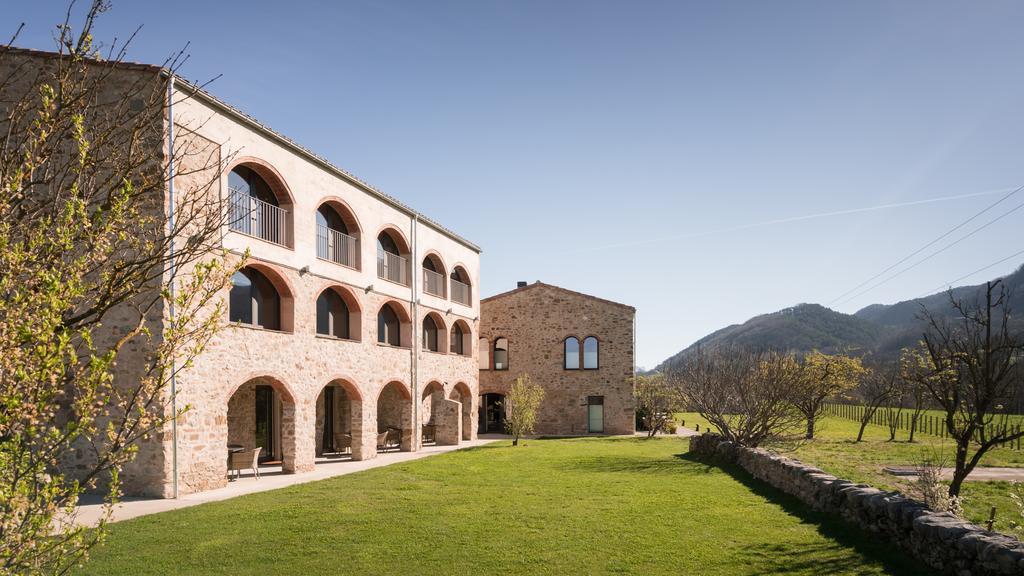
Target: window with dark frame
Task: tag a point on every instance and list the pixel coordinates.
(572, 353)
(253, 300)
(457, 346)
(430, 340)
(501, 354)
(332, 315)
(590, 353)
(388, 326)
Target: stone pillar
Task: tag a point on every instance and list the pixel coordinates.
(447, 422)
(298, 431)
(364, 430)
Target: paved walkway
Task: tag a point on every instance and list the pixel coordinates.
(90, 507)
(981, 473)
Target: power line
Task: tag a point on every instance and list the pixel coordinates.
(982, 269)
(928, 245)
(935, 253)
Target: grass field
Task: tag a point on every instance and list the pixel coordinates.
(835, 451)
(578, 506)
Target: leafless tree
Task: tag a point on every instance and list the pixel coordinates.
(90, 267)
(747, 396)
(875, 388)
(970, 366)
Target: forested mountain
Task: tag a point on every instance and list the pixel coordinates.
(879, 329)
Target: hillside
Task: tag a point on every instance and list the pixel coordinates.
(880, 329)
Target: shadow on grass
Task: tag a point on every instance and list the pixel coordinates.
(797, 558)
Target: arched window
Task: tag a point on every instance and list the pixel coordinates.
(461, 289)
(254, 300)
(254, 209)
(485, 354)
(391, 265)
(457, 345)
(332, 315)
(389, 328)
(433, 276)
(501, 354)
(572, 353)
(430, 334)
(590, 353)
(335, 241)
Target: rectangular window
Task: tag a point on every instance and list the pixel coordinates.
(595, 414)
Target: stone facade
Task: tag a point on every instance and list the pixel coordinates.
(536, 320)
(938, 539)
(374, 385)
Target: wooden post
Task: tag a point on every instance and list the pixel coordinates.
(991, 518)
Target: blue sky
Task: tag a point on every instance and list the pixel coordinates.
(655, 153)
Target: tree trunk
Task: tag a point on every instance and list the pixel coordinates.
(515, 440)
(860, 433)
(810, 428)
(960, 470)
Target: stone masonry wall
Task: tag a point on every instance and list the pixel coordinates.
(937, 539)
(536, 320)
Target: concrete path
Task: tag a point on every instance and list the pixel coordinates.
(979, 474)
(90, 507)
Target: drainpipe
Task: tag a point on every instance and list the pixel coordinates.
(172, 270)
(414, 351)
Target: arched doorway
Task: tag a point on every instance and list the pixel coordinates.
(460, 393)
(338, 431)
(492, 413)
(261, 416)
(431, 394)
(394, 418)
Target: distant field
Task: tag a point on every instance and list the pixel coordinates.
(835, 451)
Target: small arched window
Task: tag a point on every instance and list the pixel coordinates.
(457, 345)
(254, 300)
(572, 353)
(501, 354)
(430, 334)
(389, 328)
(485, 354)
(332, 315)
(590, 353)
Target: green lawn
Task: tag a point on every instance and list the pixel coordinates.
(835, 451)
(577, 506)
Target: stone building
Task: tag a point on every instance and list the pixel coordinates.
(356, 322)
(579, 348)
(354, 316)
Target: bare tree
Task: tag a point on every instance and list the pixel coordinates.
(657, 401)
(970, 367)
(747, 396)
(523, 401)
(104, 299)
(823, 376)
(875, 387)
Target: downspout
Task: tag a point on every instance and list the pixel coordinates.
(414, 350)
(173, 271)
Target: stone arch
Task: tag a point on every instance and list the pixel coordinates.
(342, 245)
(355, 308)
(462, 394)
(339, 423)
(394, 414)
(465, 342)
(284, 291)
(269, 174)
(442, 333)
(262, 412)
(275, 223)
(384, 327)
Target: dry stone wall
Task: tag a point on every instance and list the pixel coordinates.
(937, 539)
